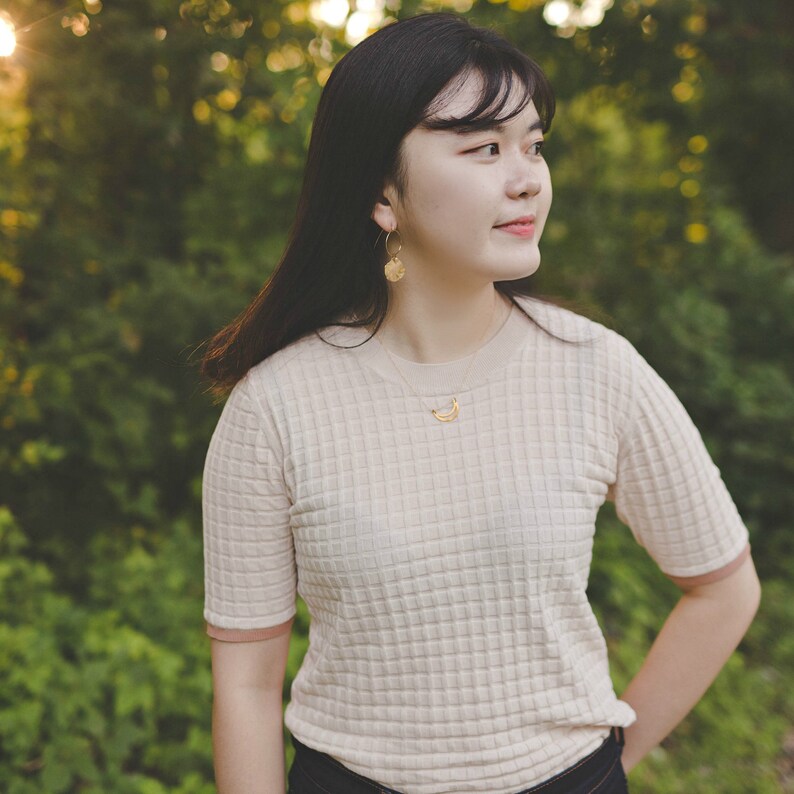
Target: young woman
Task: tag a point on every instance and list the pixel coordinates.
(419, 448)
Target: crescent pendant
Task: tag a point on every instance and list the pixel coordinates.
(448, 417)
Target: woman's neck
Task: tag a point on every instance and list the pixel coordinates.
(433, 329)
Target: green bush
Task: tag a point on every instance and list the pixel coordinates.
(114, 697)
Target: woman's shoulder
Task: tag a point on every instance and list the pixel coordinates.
(309, 358)
(571, 325)
(611, 359)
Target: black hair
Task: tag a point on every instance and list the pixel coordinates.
(376, 94)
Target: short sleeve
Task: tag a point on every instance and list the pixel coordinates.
(250, 575)
(667, 488)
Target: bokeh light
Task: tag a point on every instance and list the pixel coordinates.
(698, 144)
(8, 39)
(567, 16)
(556, 12)
(330, 12)
(79, 23)
(366, 19)
(696, 233)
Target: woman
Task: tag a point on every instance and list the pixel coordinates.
(419, 448)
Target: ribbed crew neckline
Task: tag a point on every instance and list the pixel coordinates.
(441, 379)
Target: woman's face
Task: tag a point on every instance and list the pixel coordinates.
(460, 188)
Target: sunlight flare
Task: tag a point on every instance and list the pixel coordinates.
(8, 38)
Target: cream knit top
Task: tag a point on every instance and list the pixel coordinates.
(452, 647)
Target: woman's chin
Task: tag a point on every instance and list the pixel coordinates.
(524, 270)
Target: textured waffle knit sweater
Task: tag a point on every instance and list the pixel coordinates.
(452, 647)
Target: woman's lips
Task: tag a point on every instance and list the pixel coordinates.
(519, 229)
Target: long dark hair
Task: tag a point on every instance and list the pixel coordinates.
(376, 94)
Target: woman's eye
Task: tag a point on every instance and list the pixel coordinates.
(487, 146)
(492, 149)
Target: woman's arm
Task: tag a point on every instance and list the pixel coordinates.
(247, 716)
(696, 640)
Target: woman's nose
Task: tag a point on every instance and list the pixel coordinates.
(525, 185)
(525, 181)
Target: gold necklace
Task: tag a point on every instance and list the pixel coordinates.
(453, 412)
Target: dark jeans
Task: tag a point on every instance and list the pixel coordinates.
(601, 772)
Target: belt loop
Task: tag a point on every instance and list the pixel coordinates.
(617, 732)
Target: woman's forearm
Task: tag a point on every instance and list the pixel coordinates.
(696, 640)
(248, 741)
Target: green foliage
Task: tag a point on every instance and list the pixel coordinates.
(147, 193)
(111, 697)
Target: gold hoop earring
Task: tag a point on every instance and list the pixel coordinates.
(394, 269)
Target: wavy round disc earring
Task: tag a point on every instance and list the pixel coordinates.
(394, 269)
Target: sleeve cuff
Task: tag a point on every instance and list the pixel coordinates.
(249, 635)
(685, 582)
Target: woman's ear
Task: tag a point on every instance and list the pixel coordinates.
(383, 211)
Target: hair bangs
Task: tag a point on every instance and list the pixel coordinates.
(499, 71)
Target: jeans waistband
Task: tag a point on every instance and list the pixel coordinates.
(337, 778)
(589, 772)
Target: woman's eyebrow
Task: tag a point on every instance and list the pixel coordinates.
(465, 129)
